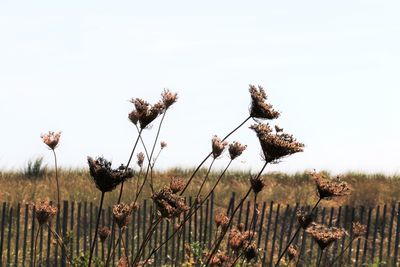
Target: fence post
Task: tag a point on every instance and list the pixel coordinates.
(396, 247)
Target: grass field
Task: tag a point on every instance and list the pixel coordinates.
(76, 185)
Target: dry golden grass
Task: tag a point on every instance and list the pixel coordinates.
(76, 185)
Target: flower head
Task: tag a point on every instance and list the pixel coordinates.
(324, 235)
(304, 218)
(104, 233)
(292, 252)
(122, 213)
(168, 204)
(236, 149)
(168, 98)
(219, 259)
(218, 146)
(251, 252)
(358, 229)
(328, 188)
(276, 145)
(259, 107)
(44, 212)
(51, 139)
(221, 220)
(105, 178)
(163, 144)
(144, 113)
(257, 184)
(176, 184)
(140, 159)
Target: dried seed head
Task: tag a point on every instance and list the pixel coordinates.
(236, 149)
(257, 184)
(144, 113)
(135, 206)
(304, 218)
(276, 146)
(324, 235)
(163, 144)
(123, 262)
(44, 212)
(168, 98)
(218, 146)
(122, 213)
(104, 232)
(240, 227)
(51, 139)
(177, 226)
(238, 240)
(328, 188)
(219, 260)
(140, 159)
(358, 229)
(169, 205)
(221, 220)
(105, 178)
(259, 107)
(292, 252)
(251, 252)
(176, 184)
(134, 117)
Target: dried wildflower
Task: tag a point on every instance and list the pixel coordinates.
(135, 206)
(240, 227)
(144, 113)
(104, 233)
(44, 212)
(218, 146)
(105, 178)
(236, 149)
(140, 159)
(219, 259)
(257, 184)
(259, 107)
(163, 144)
(169, 205)
(121, 213)
(358, 229)
(176, 184)
(51, 139)
(251, 252)
(292, 252)
(239, 239)
(134, 116)
(221, 220)
(328, 188)
(323, 235)
(123, 262)
(168, 98)
(304, 218)
(276, 146)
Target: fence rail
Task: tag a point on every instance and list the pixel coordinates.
(276, 224)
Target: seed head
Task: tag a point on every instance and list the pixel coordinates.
(123, 262)
(236, 149)
(324, 235)
(218, 146)
(168, 98)
(304, 218)
(251, 252)
(257, 184)
(238, 239)
(176, 184)
(259, 107)
(219, 260)
(358, 229)
(140, 159)
(276, 146)
(105, 178)
(51, 139)
(163, 144)
(122, 213)
(169, 205)
(221, 220)
(328, 188)
(44, 212)
(292, 252)
(135, 206)
(144, 113)
(104, 233)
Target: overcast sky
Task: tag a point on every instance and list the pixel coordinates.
(331, 67)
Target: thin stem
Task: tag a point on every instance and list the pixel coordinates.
(58, 186)
(125, 250)
(320, 258)
(36, 242)
(145, 240)
(205, 178)
(343, 251)
(294, 236)
(96, 229)
(60, 242)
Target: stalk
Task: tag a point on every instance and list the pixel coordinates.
(58, 185)
(96, 229)
(36, 241)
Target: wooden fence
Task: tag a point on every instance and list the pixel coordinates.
(275, 225)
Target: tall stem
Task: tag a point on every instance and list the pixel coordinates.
(320, 258)
(341, 254)
(205, 178)
(58, 185)
(294, 236)
(96, 229)
(36, 241)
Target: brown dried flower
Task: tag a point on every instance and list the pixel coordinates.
(251, 252)
(304, 218)
(169, 205)
(51, 139)
(105, 178)
(257, 184)
(123, 262)
(238, 239)
(163, 144)
(323, 235)
(44, 212)
(122, 213)
(276, 146)
(219, 259)
(144, 113)
(358, 229)
(168, 98)
(104, 233)
(236, 149)
(176, 184)
(218, 146)
(328, 188)
(259, 107)
(221, 220)
(135, 206)
(140, 159)
(292, 252)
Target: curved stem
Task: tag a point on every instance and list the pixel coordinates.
(320, 258)
(60, 242)
(125, 250)
(36, 242)
(96, 229)
(343, 251)
(58, 186)
(205, 178)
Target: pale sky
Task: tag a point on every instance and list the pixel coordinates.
(331, 67)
